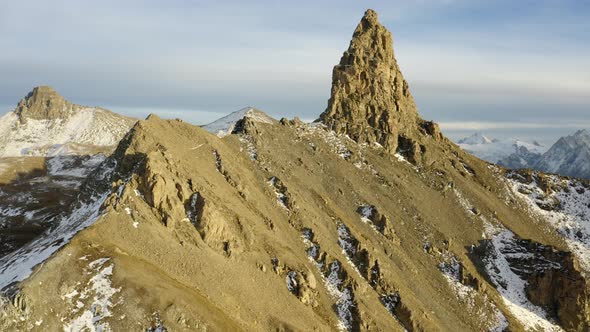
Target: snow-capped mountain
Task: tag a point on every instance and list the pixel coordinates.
(48, 148)
(45, 124)
(570, 156)
(511, 153)
(476, 138)
(225, 125)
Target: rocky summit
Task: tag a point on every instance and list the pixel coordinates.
(46, 124)
(368, 220)
(43, 103)
(370, 99)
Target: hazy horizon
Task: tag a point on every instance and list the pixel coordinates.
(504, 69)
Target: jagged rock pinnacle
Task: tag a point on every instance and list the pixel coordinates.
(370, 100)
(370, 17)
(43, 103)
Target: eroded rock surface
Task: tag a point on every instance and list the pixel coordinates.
(43, 103)
(370, 99)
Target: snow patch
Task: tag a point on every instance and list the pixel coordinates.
(86, 126)
(291, 280)
(510, 286)
(250, 147)
(566, 209)
(19, 264)
(279, 191)
(402, 159)
(100, 287)
(479, 304)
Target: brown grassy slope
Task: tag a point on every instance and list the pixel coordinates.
(220, 274)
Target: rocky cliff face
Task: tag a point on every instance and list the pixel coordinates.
(370, 99)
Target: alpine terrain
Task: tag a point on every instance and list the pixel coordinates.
(510, 153)
(367, 219)
(569, 156)
(48, 146)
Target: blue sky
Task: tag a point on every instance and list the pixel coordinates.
(506, 68)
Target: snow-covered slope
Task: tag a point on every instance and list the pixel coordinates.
(511, 153)
(87, 127)
(48, 148)
(563, 203)
(225, 125)
(45, 124)
(19, 264)
(569, 156)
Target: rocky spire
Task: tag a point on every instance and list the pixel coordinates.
(43, 103)
(370, 100)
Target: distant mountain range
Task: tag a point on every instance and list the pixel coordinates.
(569, 156)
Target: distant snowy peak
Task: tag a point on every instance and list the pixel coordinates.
(225, 125)
(476, 138)
(570, 156)
(511, 153)
(45, 124)
(580, 138)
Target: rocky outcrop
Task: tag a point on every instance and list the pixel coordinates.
(563, 293)
(48, 148)
(370, 99)
(551, 277)
(227, 124)
(43, 103)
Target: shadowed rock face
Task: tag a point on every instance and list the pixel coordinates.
(562, 293)
(43, 103)
(370, 100)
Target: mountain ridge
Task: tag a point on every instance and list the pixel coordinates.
(226, 124)
(294, 226)
(568, 156)
(48, 148)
